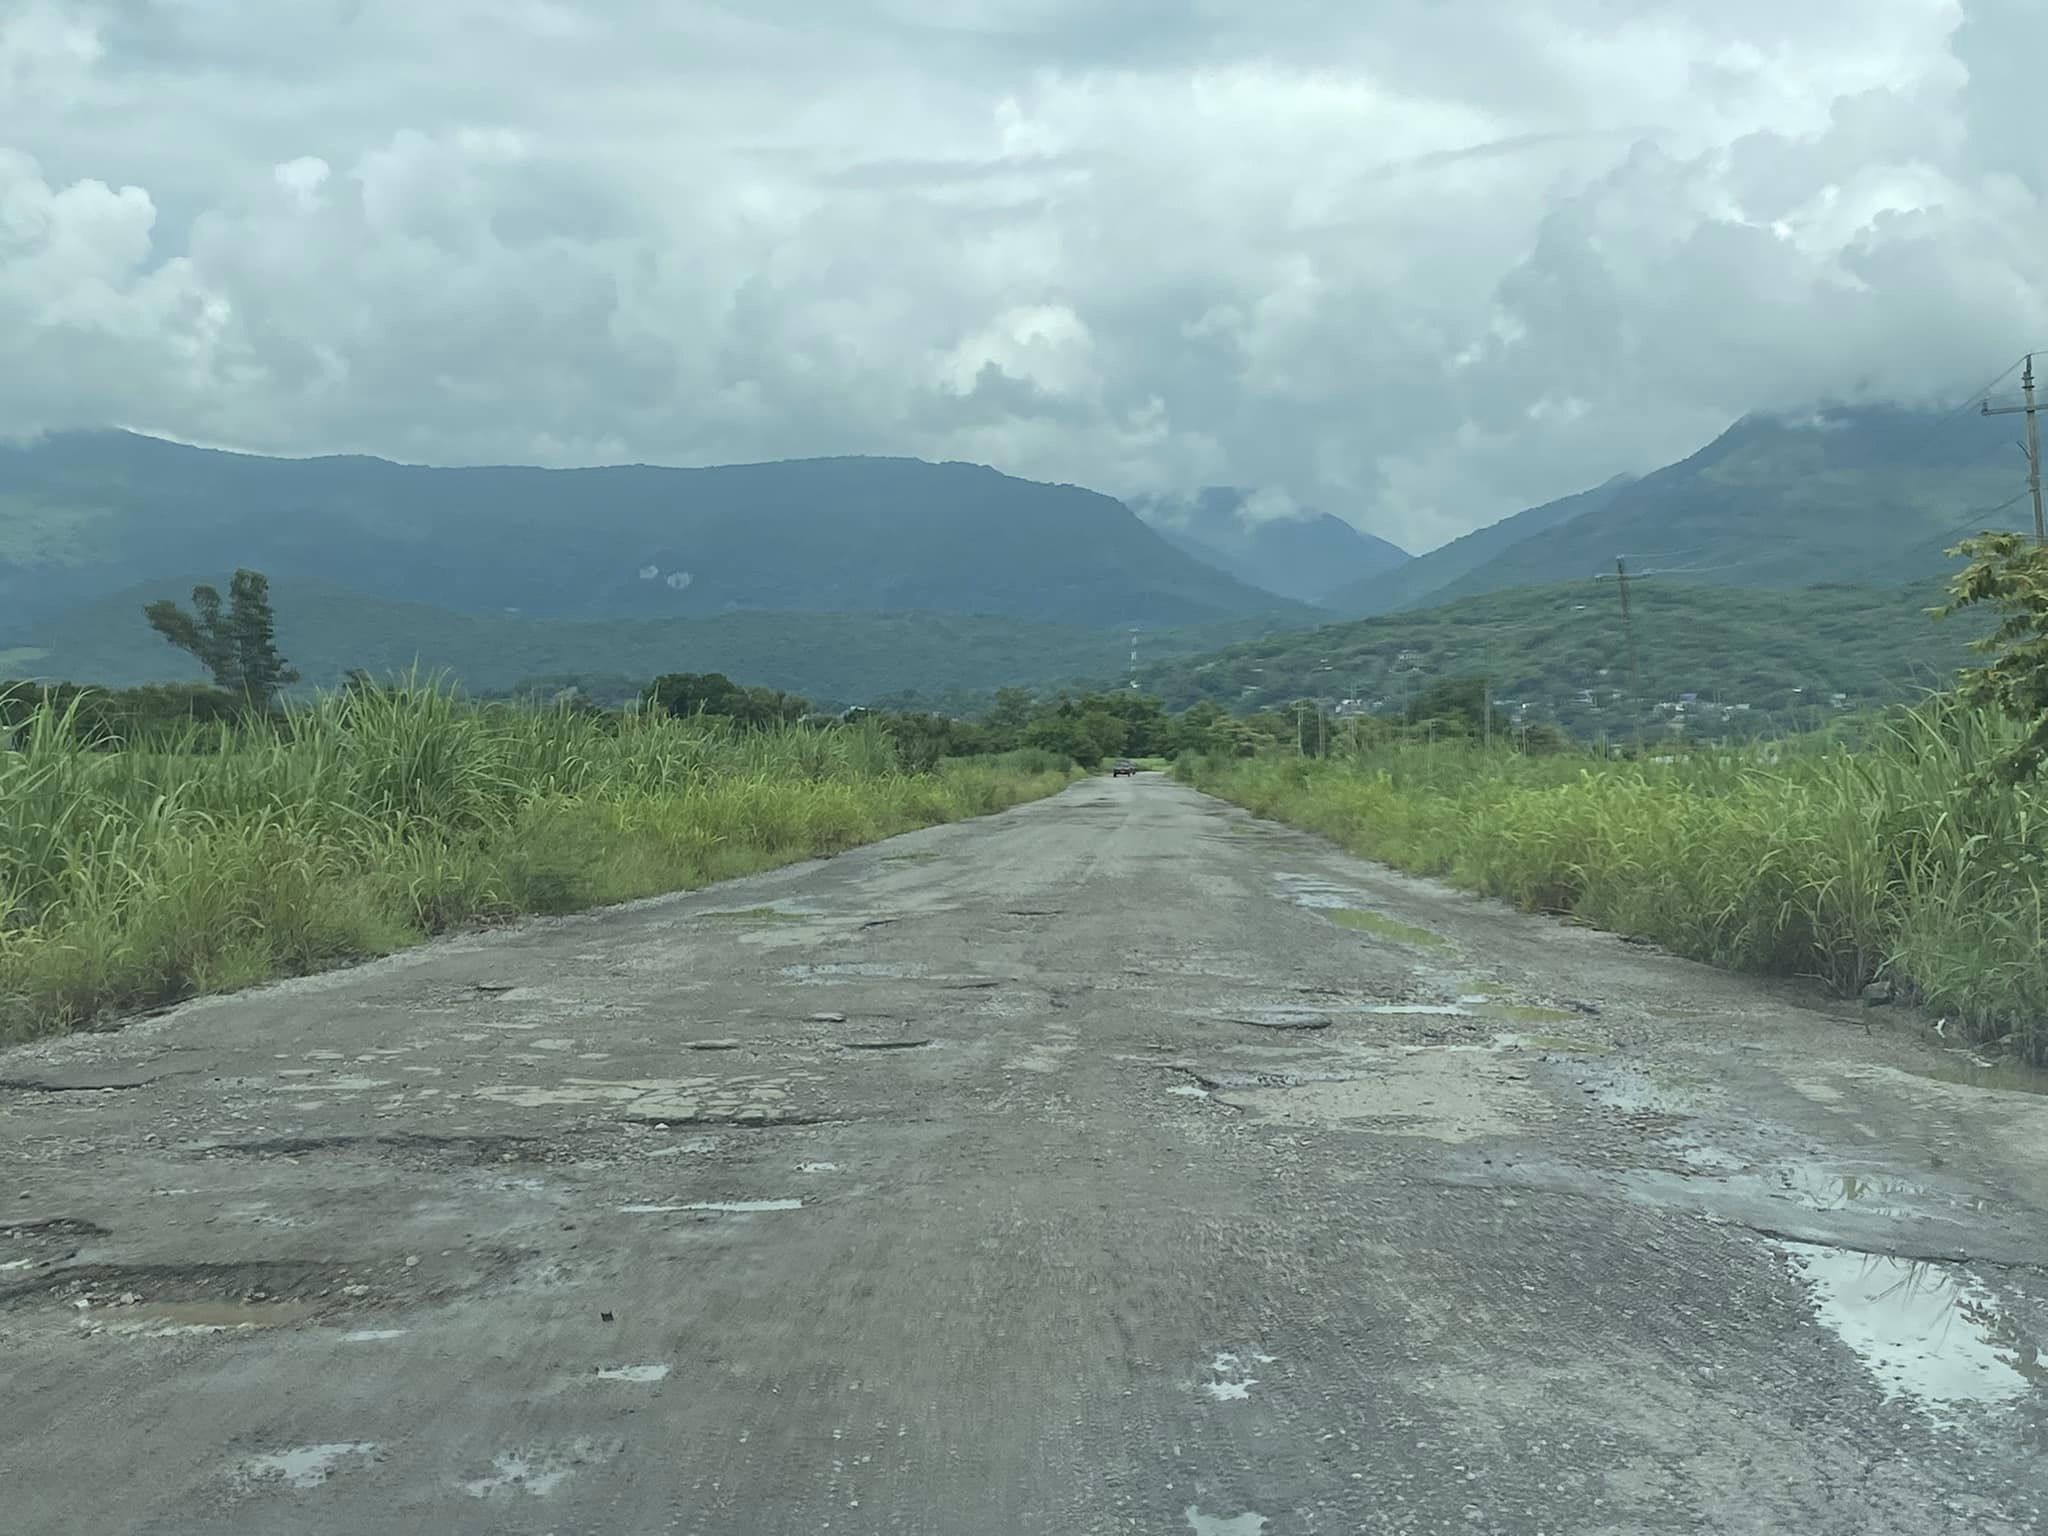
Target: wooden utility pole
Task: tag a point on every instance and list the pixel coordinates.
(1628, 629)
(2033, 444)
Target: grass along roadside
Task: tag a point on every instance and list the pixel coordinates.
(367, 823)
(1790, 860)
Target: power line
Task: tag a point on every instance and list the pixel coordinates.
(1973, 523)
(2033, 445)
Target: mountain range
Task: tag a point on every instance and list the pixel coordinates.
(1868, 495)
(849, 579)
(1298, 553)
(84, 515)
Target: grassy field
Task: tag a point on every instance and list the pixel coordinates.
(362, 825)
(1789, 859)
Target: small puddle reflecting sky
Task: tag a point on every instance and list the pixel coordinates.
(1928, 1332)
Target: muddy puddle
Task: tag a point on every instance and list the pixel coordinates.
(1359, 920)
(1932, 1334)
(745, 915)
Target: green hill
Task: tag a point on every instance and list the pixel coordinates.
(1305, 556)
(837, 658)
(1754, 659)
(1866, 496)
(1414, 583)
(86, 515)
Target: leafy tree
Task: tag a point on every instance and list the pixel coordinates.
(236, 644)
(1458, 702)
(2008, 574)
(713, 693)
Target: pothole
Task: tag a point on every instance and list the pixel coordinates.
(1931, 1333)
(907, 1044)
(164, 1319)
(191, 1295)
(1359, 920)
(1230, 1079)
(1280, 1018)
(837, 970)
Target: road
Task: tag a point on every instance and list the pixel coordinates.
(1120, 1164)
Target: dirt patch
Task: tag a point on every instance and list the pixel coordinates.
(1441, 1095)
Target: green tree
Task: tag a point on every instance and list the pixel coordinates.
(2009, 575)
(713, 693)
(236, 644)
(1455, 702)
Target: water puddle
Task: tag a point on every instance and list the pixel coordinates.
(1522, 1013)
(372, 1335)
(756, 915)
(817, 1167)
(1183, 1091)
(304, 1466)
(1928, 1332)
(730, 1207)
(1358, 920)
(534, 1473)
(1216, 1525)
(634, 1373)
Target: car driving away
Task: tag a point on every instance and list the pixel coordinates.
(1124, 769)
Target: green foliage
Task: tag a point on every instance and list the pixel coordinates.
(2009, 575)
(1457, 703)
(1794, 857)
(238, 645)
(285, 843)
(952, 661)
(108, 718)
(1759, 662)
(684, 694)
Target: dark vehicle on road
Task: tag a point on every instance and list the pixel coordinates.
(1124, 769)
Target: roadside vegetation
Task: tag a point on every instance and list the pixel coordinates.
(1910, 857)
(153, 850)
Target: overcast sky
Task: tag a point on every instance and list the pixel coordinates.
(1416, 262)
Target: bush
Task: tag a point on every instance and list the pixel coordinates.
(221, 855)
(1901, 859)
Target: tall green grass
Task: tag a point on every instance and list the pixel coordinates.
(1892, 860)
(226, 855)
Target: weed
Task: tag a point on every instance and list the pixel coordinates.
(230, 854)
(1790, 858)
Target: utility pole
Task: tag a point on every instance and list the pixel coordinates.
(1628, 629)
(2033, 444)
(1300, 739)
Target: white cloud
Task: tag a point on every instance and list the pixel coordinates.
(1420, 263)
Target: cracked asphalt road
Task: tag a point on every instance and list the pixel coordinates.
(1118, 1164)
